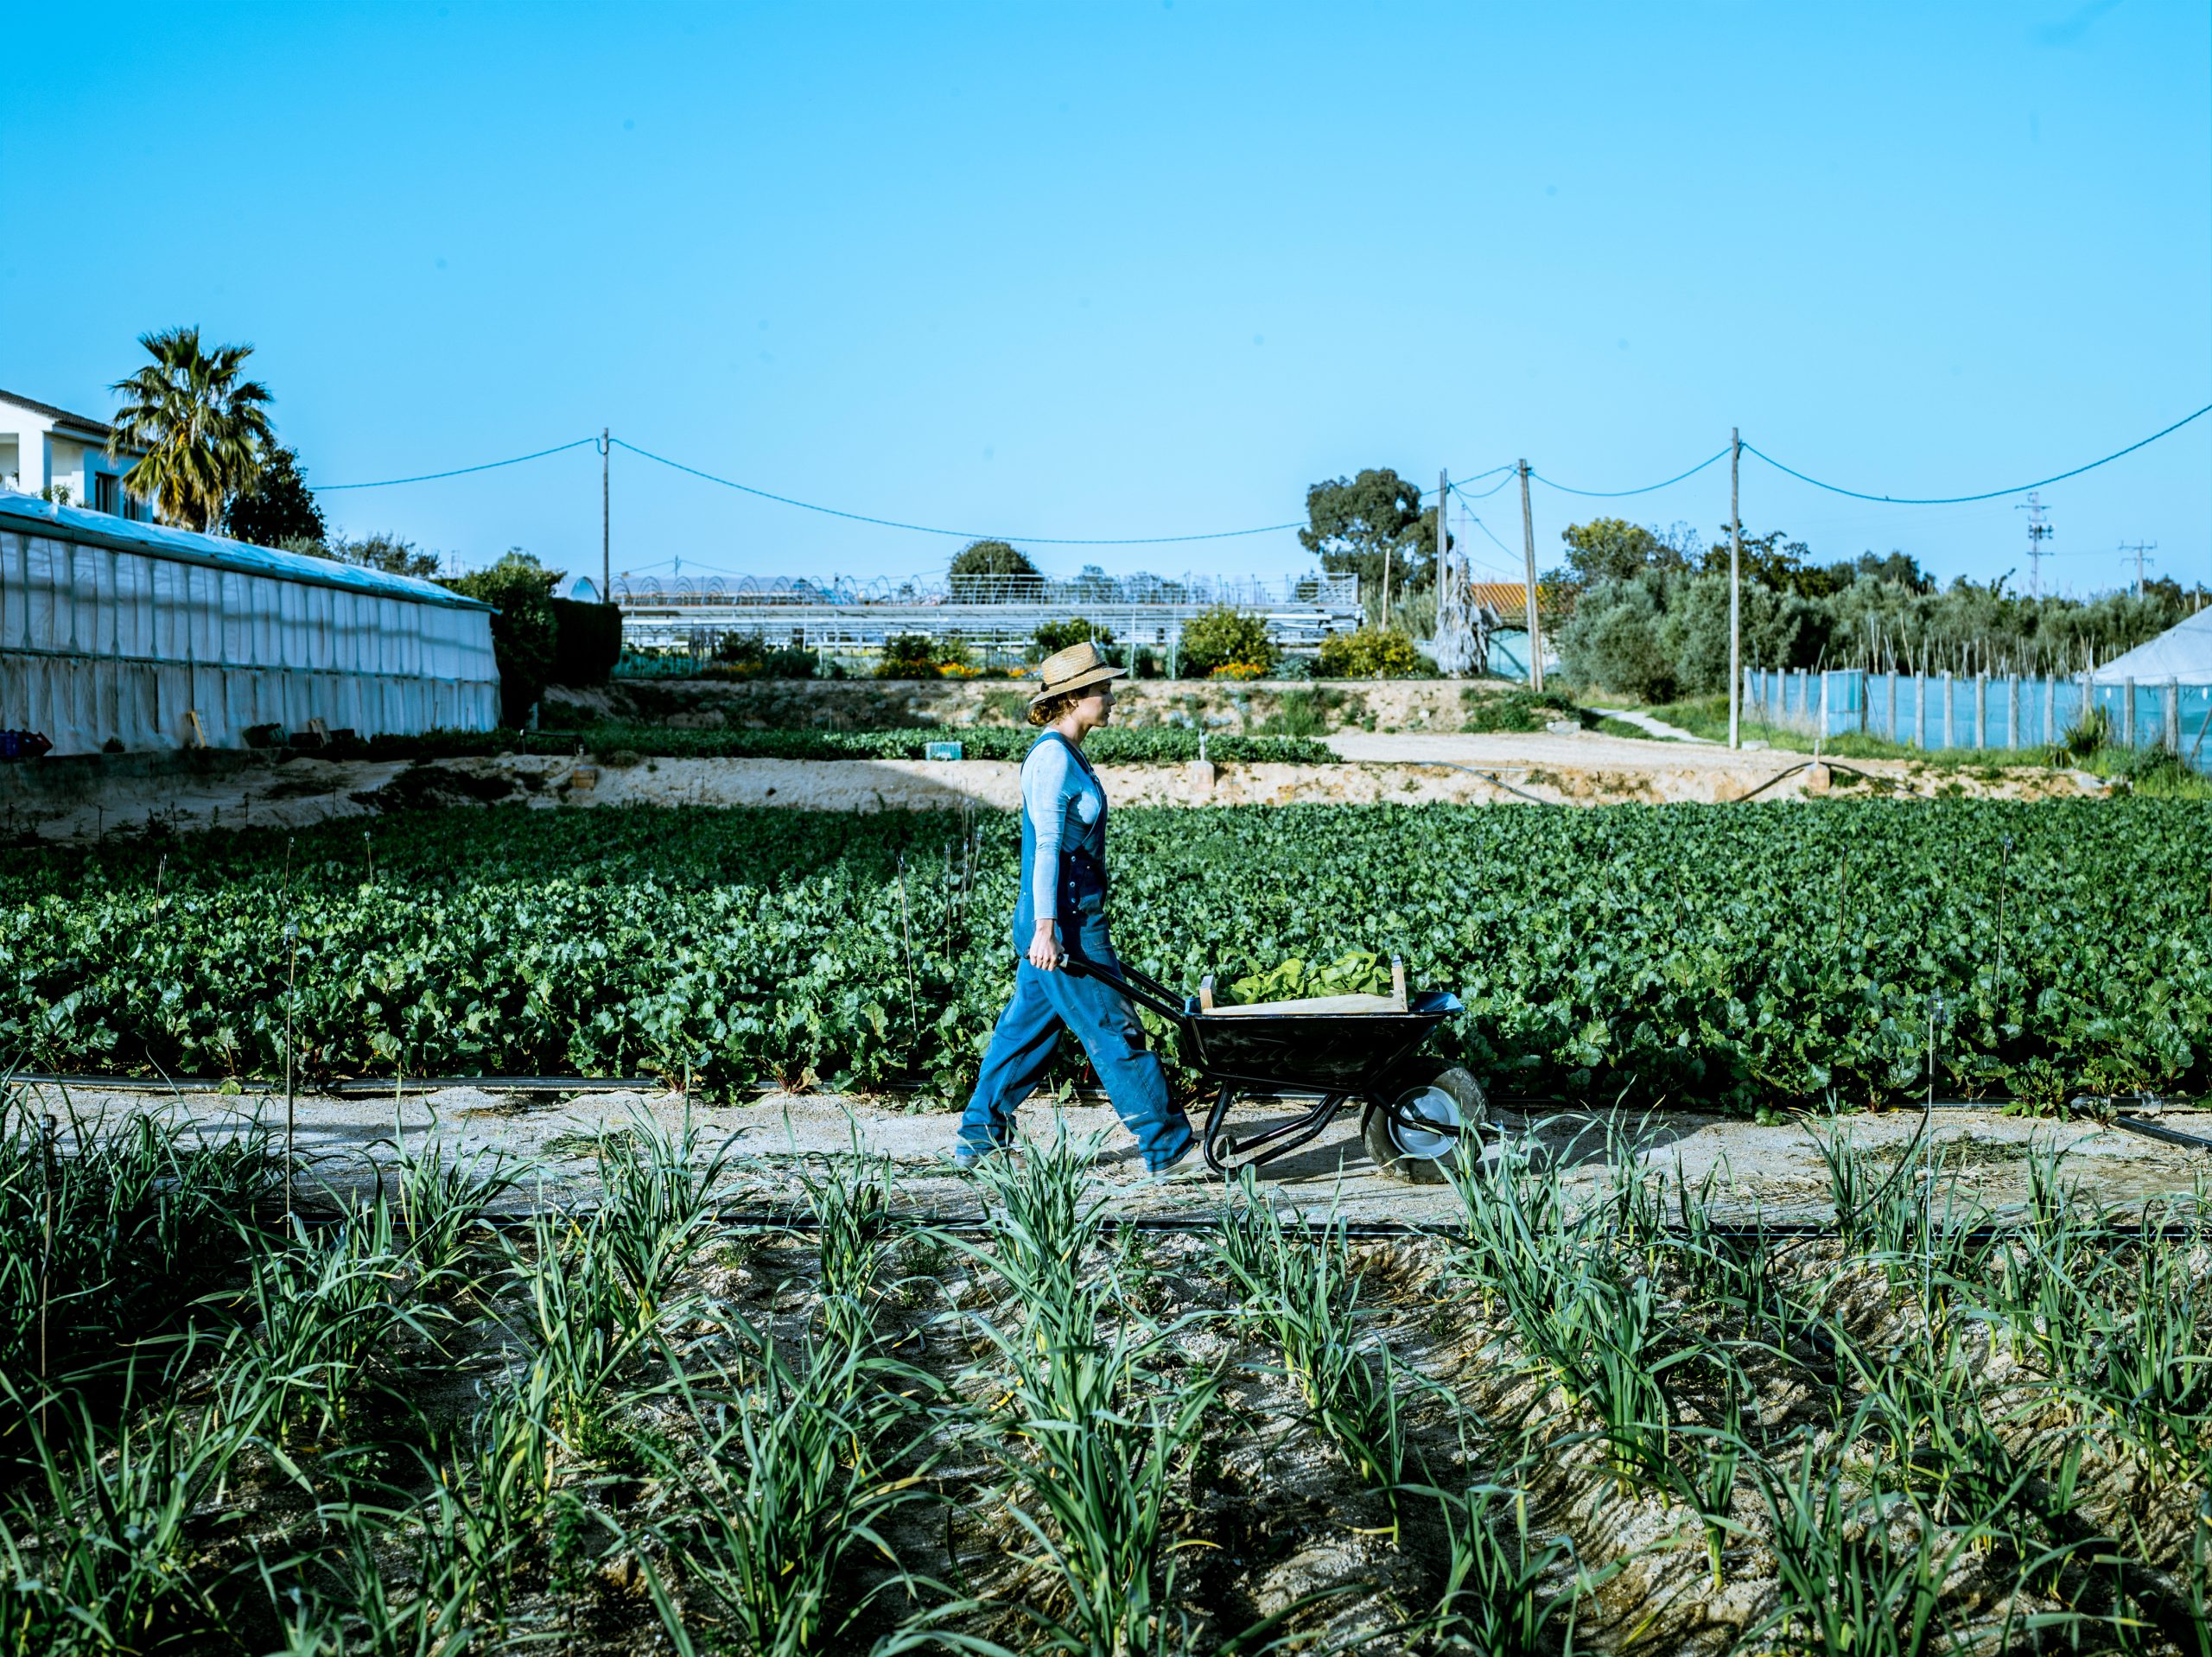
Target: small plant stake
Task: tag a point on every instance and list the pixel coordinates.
(907, 931)
(47, 1132)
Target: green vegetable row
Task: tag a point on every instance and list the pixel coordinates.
(1681, 954)
(1144, 745)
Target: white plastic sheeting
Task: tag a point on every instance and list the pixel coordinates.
(112, 631)
(2183, 652)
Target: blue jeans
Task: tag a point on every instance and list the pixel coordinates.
(1106, 1025)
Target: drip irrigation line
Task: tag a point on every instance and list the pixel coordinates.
(1297, 1228)
(1620, 494)
(1494, 781)
(457, 472)
(1990, 494)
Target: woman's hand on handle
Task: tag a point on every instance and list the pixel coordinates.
(1044, 952)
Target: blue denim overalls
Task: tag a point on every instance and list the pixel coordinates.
(1104, 1023)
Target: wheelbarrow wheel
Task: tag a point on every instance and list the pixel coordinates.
(1440, 1093)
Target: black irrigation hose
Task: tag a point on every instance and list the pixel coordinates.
(806, 1222)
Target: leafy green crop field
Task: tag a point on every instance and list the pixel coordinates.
(1766, 954)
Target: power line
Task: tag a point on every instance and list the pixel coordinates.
(1617, 494)
(963, 534)
(976, 535)
(458, 472)
(1992, 494)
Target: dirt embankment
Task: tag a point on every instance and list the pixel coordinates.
(1399, 769)
(884, 704)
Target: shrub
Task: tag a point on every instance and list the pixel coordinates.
(1221, 637)
(586, 642)
(1518, 709)
(1370, 653)
(1240, 670)
(747, 656)
(1058, 635)
(520, 591)
(908, 656)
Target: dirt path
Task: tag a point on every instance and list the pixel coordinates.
(1658, 727)
(1776, 1172)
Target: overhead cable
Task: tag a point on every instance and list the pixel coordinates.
(1617, 494)
(1990, 494)
(459, 470)
(962, 535)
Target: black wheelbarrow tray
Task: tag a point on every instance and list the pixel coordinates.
(1415, 1108)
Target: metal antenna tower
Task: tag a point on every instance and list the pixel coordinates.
(2039, 531)
(2140, 548)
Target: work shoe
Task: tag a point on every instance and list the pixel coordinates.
(1188, 1169)
(966, 1159)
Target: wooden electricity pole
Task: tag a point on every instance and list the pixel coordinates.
(1528, 546)
(1735, 592)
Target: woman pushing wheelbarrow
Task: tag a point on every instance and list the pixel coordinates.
(1060, 917)
(1416, 1109)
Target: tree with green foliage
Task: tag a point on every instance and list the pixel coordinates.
(202, 427)
(381, 552)
(992, 558)
(1364, 524)
(1224, 637)
(524, 631)
(278, 508)
(1614, 549)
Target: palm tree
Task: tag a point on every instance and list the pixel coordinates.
(203, 430)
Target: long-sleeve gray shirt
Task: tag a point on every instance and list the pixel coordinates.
(1062, 800)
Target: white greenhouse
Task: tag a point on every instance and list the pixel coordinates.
(120, 634)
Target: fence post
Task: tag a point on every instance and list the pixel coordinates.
(2169, 736)
(1920, 710)
(2127, 711)
(1821, 730)
(2051, 709)
(1950, 711)
(2012, 714)
(1890, 729)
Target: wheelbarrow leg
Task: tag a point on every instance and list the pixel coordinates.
(1210, 1140)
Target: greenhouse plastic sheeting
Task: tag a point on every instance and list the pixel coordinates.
(1997, 711)
(118, 631)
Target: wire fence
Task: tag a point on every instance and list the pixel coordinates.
(1992, 711)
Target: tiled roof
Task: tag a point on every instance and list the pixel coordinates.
(84, 422)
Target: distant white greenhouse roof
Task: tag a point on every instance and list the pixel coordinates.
(2184, 651)
(29, 515)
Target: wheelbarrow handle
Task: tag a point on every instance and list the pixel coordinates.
(1139, 988)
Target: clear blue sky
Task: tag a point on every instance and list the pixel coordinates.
(1146, 268)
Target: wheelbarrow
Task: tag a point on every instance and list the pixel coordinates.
(1415, 1108)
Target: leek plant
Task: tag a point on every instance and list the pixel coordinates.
(102, 1550)
(1499, 1597)
(771, 1509)
(1096, 1440)
(1306, 1295)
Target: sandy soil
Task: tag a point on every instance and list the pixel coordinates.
(1774, 1170)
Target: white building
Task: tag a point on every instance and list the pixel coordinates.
(44, 449)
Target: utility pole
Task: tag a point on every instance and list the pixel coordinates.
(1529, 545)
(605, 563)
(1735, 591)
(2140, 548)
(2038, 534)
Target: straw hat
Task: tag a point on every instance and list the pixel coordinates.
(1076, 668)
